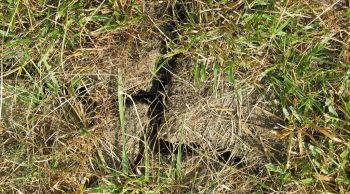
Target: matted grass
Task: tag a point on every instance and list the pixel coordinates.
(60, 126)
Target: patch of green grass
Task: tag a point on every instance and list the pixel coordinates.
(121, 106)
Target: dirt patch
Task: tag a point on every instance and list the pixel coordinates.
(229, 130)
(226, 122)
(237, 119)
(236, 123)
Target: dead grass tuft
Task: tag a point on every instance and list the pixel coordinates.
(266, 80)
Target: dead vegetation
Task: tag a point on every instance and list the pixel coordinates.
(266, 81)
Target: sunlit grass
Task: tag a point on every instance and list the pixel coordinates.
(296, 51)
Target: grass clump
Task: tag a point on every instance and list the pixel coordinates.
(59, 60)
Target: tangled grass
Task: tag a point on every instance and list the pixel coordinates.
(59, 70)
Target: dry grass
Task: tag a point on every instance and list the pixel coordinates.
(266, 80)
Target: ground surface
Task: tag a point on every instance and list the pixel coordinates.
(264, 84)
